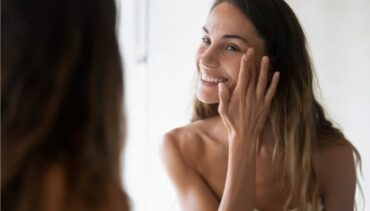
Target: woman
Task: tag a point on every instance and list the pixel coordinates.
(259, 140)
(61, 106)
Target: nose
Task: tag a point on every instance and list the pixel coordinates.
(209, 58)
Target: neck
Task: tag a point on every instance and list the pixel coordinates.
(266, 138)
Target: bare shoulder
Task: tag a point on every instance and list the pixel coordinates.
(329, 159)
(185, 142)
(116, 199)
(53, 188)
(180, 151)
(335, 168)
(55, 193)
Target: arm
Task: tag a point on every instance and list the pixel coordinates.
(336, 173)
(239, 191)
(192, 190)
(244, 114)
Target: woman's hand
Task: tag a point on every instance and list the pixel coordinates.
(244, 114)
(244, 111)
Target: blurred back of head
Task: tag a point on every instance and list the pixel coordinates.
(61, 102)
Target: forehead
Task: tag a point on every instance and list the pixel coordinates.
(225, 18)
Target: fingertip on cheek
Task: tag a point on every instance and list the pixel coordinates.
(244, 57)
(220, 87)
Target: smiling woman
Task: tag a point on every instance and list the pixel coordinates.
(227, 35)
(259, 138)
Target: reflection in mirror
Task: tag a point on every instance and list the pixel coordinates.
(300, 133)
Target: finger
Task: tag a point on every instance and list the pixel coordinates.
(223, 108)
(272, 89)
(224, 97)
(243, 74)
(251, 86)
(262, 79)
(252, 70)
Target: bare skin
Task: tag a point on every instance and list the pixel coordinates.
(198, 168)
(54, 193)
(214, 163)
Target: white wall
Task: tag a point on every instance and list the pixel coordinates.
(159, 92)
(338, 33)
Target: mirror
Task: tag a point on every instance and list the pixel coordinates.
(159, 41)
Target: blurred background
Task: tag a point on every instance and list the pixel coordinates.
(159, 40)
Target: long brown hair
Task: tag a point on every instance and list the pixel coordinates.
(61, 100)
(298, 120)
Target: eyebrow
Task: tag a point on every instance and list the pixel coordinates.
(228, 36)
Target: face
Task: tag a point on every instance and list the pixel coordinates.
(227, 35)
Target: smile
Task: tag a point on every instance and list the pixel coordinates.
(212, 79)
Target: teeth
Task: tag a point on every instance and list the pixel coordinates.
(209, 79)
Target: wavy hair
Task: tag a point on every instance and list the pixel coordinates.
(298, 120)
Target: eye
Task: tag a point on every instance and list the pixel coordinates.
(232, 48)
(206, 41)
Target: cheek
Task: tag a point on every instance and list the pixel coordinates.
(233, 69)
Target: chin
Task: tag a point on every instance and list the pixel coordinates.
(206, 99)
